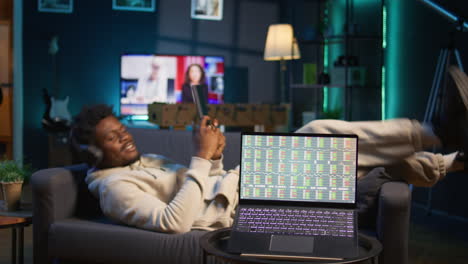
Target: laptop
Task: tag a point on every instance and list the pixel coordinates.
(297, 197)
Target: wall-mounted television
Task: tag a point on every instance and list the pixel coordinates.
(149, 78)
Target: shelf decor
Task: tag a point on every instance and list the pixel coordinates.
(207, 9)
(309, 73)
(55, 6)
(134, 5)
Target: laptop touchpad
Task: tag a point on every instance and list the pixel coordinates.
(298, 244)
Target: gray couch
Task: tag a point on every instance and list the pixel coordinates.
(69, 226)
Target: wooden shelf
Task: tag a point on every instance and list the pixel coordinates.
(338, 39)
(317, 86)
(358, 37)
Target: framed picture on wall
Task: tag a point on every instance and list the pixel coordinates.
(207, 9)
(56, 6)
(134, 5)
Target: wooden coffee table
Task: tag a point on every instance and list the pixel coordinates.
(16, 222)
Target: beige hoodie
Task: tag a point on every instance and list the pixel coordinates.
(155, 193)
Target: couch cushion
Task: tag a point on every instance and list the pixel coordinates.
(104, 242)
(178, 146)
(368, 188)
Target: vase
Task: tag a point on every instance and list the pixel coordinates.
(10, 195)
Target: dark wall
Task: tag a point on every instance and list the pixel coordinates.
(421, 35)
(417, 33)
(92, 38)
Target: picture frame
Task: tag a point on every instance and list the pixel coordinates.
(207, 9)
(55, 6)
(134, 5)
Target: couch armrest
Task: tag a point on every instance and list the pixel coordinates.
(393, 219)
(54, 197)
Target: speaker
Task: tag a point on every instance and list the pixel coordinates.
(236, 85)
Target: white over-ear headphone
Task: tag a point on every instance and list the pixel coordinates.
(89, 153)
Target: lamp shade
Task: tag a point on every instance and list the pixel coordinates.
(281, 44)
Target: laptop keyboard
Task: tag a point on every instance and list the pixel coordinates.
(303, 221)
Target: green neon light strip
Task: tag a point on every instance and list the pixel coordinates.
(383, 94)
(384, 27)
(384, 46)
(325, 66)
(325, 61)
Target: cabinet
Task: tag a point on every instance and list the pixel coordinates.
(348, 48)
(6, 125)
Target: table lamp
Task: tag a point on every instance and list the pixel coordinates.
(281, 45)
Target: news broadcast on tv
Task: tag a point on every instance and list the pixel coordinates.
(149, 78)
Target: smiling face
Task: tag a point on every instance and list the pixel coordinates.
(115, 142)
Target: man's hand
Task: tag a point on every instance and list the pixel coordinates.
(206, 139)
(221, 144)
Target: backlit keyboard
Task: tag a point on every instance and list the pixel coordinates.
(302, 221)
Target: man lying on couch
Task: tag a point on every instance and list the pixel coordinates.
(152, 192)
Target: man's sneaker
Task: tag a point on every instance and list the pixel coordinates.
(451, 120)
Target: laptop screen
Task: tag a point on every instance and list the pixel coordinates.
(298, 167)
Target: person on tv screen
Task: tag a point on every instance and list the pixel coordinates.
(152, 87)
(194, 75)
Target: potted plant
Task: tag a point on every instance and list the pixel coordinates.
(12, 176)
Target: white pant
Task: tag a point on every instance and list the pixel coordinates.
(396, 144)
